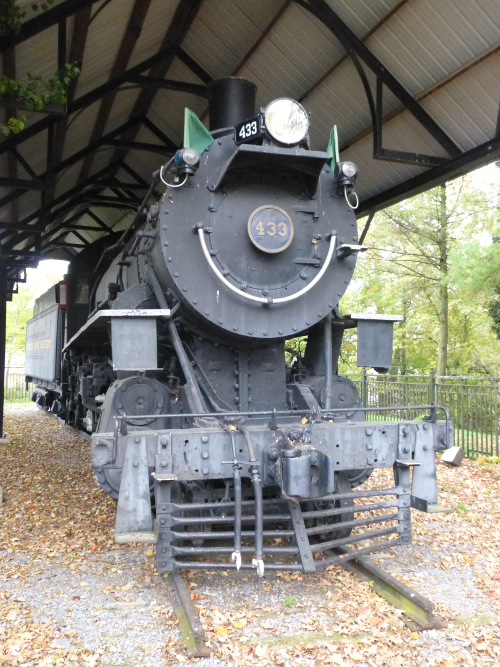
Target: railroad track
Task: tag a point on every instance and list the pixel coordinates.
(419, 611)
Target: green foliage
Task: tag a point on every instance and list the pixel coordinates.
(461, 508)
(20, 309)
(295, 347)
(12, 16)
(36, 93)
(411, 256)
(290, 601)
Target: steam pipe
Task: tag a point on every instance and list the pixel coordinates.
(187, 369)
(258, 561)
(236, 555)
(328, 361)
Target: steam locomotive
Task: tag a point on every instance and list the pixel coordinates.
(215, 447)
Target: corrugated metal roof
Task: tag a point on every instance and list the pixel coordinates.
(446, 54)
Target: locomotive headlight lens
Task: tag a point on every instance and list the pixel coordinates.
(349, 169)
(286, 121)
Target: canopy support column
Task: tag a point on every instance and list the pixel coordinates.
(3, 324)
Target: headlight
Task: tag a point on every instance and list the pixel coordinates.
(286, 121)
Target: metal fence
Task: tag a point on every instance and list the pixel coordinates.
(473, 404)
(16, 390)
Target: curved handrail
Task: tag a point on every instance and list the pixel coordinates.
(260, 299)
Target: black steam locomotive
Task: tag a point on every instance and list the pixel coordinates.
(214, 446)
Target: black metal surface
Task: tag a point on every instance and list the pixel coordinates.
(181, 266)
(230, 100)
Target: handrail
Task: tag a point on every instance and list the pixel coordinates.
(260, 299)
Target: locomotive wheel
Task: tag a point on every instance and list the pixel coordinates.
(358, 477)
(342, 485)
(101, 479)
(110, 482)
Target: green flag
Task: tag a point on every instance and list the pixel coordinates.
(333, 147)
(196, 134)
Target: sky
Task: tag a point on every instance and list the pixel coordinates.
(49, 272)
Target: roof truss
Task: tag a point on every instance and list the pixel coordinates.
(48, 226)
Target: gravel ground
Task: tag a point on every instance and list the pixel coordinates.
(69, 596)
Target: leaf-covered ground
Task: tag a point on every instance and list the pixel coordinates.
(69, 596)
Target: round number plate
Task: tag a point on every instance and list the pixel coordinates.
(270, 229)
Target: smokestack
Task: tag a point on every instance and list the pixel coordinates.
(230, 100)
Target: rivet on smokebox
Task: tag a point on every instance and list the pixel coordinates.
(204, 438)
(204, 455)
(369, 431)
(137, 439)
(205, 471)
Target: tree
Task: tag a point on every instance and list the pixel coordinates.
(427, 262)
(20, 309)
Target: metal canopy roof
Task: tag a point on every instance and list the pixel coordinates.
(413, 86)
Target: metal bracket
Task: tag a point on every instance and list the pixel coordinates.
(346, 250)
(134, 522)
(301, 536)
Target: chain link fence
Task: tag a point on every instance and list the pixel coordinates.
(473, 404)
(15, 387)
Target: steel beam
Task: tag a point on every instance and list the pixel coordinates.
(195, 68)
(182, 20)
(44, 20)
(117, 185)
(3, 325)
(77, 49)
(51, 108)
(170, 84)
(19, 227)
(22, 184)
(128, 42)
(354, 45)
(159, 134)
(139, 146)
(457, 166)
(87, 99)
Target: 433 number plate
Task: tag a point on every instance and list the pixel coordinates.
(248, 130)
(270, 229)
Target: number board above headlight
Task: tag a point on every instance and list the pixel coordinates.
(270, 229)
(250, 129)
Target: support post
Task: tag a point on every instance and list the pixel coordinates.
(432, 386)
(364, 389)
(3, 324)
